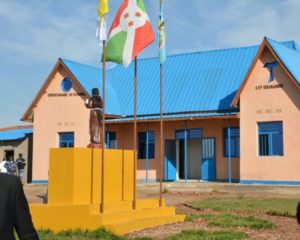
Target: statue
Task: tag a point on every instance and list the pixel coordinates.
(96, 105)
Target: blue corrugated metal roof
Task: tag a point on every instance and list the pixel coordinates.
(14, 134)
(289, 57)
(91, 77)
(200, 81)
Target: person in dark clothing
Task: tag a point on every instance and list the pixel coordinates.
(14, 210)
(298, 213)
(21, 165)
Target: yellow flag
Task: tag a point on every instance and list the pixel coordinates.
(103, 8)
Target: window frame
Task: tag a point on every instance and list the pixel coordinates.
(268, 149)
(108, 136)
(236, 138)
(60, 134)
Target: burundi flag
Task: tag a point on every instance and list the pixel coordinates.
(162, 37)
(101, 23)
(130, 33)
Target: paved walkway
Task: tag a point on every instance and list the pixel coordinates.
(198, 186)
(37, 193)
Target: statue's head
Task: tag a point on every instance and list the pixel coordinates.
(95, 92)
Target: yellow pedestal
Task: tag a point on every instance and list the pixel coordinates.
(74, 194)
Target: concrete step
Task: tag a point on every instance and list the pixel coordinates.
(122, 206)
(114, 218)
(125, 227)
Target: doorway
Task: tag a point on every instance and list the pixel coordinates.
(191, 167)
(190, 156)
(194, 159)
(9, 154)
(180, 157)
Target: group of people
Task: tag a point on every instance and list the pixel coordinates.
(13, 167)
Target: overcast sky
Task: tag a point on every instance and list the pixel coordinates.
(35, 33)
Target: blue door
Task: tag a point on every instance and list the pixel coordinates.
(170, 160)
(208, 159)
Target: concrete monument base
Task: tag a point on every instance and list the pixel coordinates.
(74, 194)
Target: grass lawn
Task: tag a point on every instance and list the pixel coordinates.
(82, 235)
(229, 220)
(208, 235)
(273, 206)
(103, 235)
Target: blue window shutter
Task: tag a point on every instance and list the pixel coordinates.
(208, 148)
(270, 127)
(235, 132)
(179, 134)
(191, 133)
(195, 133)
(277, 144)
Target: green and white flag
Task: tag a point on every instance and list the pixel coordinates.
(130, 33)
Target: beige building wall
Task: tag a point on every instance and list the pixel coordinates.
(266, 105)
(54, 114)
(211, 128)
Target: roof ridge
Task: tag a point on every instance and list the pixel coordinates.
(294, 50)
(90, 66)
(204, 51)
(16, 127)
(283, 43)
(185, 53)
(285, 54)
(79, 63)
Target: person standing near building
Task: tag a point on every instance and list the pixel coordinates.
(21, 165)
(11, 166)
(14, 210)
(2, 165)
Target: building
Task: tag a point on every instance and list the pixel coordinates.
(16, 140)
(229, 114)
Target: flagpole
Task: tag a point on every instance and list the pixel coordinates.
(161, 128)
(161, 135)
(135, 133)
(103, 124)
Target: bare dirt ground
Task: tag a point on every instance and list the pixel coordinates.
(287, 228)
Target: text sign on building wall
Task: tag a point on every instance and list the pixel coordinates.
(65, 94)
(263, 87)
(268, 111)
